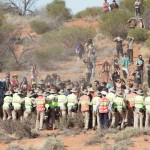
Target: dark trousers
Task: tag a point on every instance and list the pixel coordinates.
(88, 77)
(119, 51)
(130, 54)
(149, 82)
(104, 120)
(124, 74)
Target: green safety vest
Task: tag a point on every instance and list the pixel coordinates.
(7, 102)
(16, 102)
(147, 103)
(28, 103)
(62, 100)
(111, 96)
(139, 101)
(119, 103)
(53, 101)
(94, 102)
(72, 100)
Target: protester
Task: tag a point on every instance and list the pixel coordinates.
(114, 5)
(119, 47)
(105, 6)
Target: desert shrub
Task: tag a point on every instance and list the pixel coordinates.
(20, 129)
(121, 145)
(2, 19)
(14, 147)
(114, 23)
(100, 136)
(69, 122)
(52, 143)
(53, 10)
(131, 132)
(146, 18)
(140, 35)
(89, 12)
(129, 5)
(39, 27)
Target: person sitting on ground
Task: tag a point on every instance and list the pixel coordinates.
(114, 5)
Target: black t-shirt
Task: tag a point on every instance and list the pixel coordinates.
(137, 77)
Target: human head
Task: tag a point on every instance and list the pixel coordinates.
(140, 57)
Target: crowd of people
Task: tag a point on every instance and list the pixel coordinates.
(109, 101)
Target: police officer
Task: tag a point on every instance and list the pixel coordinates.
(119, 108)
(85, 103)
(6, 106)
(17, 104)
(139, 109)
(147, 106)
(72, 102)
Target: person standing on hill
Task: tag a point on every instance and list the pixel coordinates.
(89, 67)
(125, 62)
(105, 6)
(114, 5)
(140, 64)
(130, 48)
(79, 51)
(119, 48)
(137, 6)
(89, 46)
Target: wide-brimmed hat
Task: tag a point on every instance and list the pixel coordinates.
(30, 94)
(53, 91)
(19, 93)
(140, 92)
(97, 93)
(91, 89)
(8, 93)
(40, 93)
(134, 90)
(41, 82)
(74, 90)
(61, 92)
(119, 94)
(85, 92)
(104, 93)
(148, 93)
(15, 75)
(112, 90)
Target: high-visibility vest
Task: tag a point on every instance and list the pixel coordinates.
(119, 103)
(7, 102)
(53, 100)
(111, 96)
(62, 100)
(103, 105)
(94, 102)
(139, 101)
(72, 100)
(40, 103)
(28, 103)
(147, 103)
(85, 102)
(16, 102)
(131, 100)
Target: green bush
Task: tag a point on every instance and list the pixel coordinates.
(2, 19)
(89, 12)
(58, 9)
(140, 35)
(114, 23)
(39, 27)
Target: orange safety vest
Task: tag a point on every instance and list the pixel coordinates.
(84, 100)
(131, 100)
(40, 103)
(103, 105)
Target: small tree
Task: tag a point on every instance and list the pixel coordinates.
(115, 23)
(58, 9)
(22, 7)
